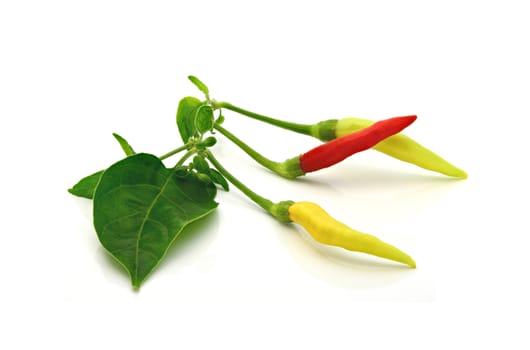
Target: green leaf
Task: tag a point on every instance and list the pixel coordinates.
(199, 84)
(186, 113)
(204, 118)
(86, 186)
(204, 178)
(220, 120)
(124, 145)
(207, 142)
(219, 179)
(201, 165)
(140, 207)
(181, 171)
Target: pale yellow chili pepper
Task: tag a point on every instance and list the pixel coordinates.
(326, 230)
(403, 148)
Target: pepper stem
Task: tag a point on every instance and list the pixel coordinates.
(173, 152)
(185, 156)
(259, 200)
(299, 128)
(288, 169)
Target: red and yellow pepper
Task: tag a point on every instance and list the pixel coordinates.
(398, 146)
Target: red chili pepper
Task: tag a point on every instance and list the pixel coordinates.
(341, 148)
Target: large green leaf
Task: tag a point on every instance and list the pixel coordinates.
(186, 113)
(140, 207)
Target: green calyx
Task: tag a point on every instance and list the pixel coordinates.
(280, 211)
(289, 169)
(325, 130)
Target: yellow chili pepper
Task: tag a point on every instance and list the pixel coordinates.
(403, 148)
(326, 230)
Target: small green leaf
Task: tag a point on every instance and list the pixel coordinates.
(86, 186)
(220, 120)
(204, 178)
(210, 141)
(124, 145)
(140, 208)
(181, 171)
(207, 142)
(200, 85)
(218, 179)
(204, 118)
(186, 113)
(201, 165)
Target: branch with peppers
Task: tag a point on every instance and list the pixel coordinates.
(140, 206)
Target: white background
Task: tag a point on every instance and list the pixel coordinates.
(71, 73)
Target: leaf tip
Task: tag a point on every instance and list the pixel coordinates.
(136, 283)
(199, 84)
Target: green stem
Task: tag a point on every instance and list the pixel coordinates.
(259, 200)
(304, 129)
(175, 151)
(185, 156)
(288, 169)
(267, 163)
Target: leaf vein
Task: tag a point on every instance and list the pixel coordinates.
(146, 217)
(104, 227)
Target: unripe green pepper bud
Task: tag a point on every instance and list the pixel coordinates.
(204, 178)
(209, 141)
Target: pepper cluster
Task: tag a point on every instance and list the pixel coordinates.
(140, 206)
